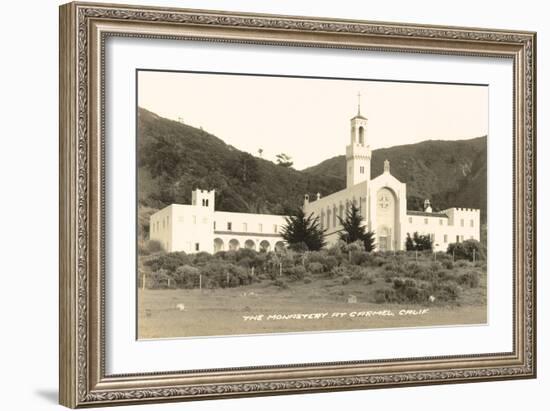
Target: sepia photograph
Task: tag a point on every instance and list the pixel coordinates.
(283, 204)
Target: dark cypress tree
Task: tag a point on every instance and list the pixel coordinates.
(301, 230)
(354, 231)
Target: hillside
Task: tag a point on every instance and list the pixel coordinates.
(449, 173)
(175, 158)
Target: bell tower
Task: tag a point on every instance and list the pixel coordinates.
(358, 152)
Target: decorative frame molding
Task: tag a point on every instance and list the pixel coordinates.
(83, 30)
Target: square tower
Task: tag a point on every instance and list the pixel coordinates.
(358, 152)
(203, 198)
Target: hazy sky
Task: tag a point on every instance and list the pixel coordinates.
(309, 118)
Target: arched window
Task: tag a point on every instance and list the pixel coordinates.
(361, 135)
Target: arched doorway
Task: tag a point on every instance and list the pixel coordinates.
(250, 245)
(234, 244)
(386, 209)
(265, 246)
(279, 246)
(218, 245)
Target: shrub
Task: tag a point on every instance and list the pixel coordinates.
(435, 266)
(315, 267)
(359, 258)
(377, 261)
(338, 272)
(358, 273)
(407, 290)
(466, 250)
(469, 279)
(448, 264)
(307, 280)
(412, 269)
(370, 278)
(187, 276)
(447, 292)
(444, 275)
(394, 267)
(153, 246)
(169, 261)
(345, 280)
(297, 272)
(202, 258)
(160, 279)
(330, 262)
(384, 295)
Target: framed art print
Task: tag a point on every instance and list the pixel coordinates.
(259, 204)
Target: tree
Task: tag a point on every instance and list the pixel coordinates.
(245, 168)
(354, 230)
(418, 242)
(301, 230)
(284, 160)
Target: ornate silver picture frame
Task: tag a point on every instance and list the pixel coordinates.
(85, 30)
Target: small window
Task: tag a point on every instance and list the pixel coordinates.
(194, 219)
(214, 225)
(462, 222)
(362, 170)
(245, 227)
(471, 223)
(275, 228)
(457, 238)
(445, 238)
(196, 246)
(461, 238)
(260, 228)
(206, 203)
(440, 221)
(229, 226)
(410, 220)
(425, 221)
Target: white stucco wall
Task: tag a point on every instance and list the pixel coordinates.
(325, 208)
(445, 227)
(194, 227)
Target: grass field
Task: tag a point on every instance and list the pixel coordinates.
(222, 311)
